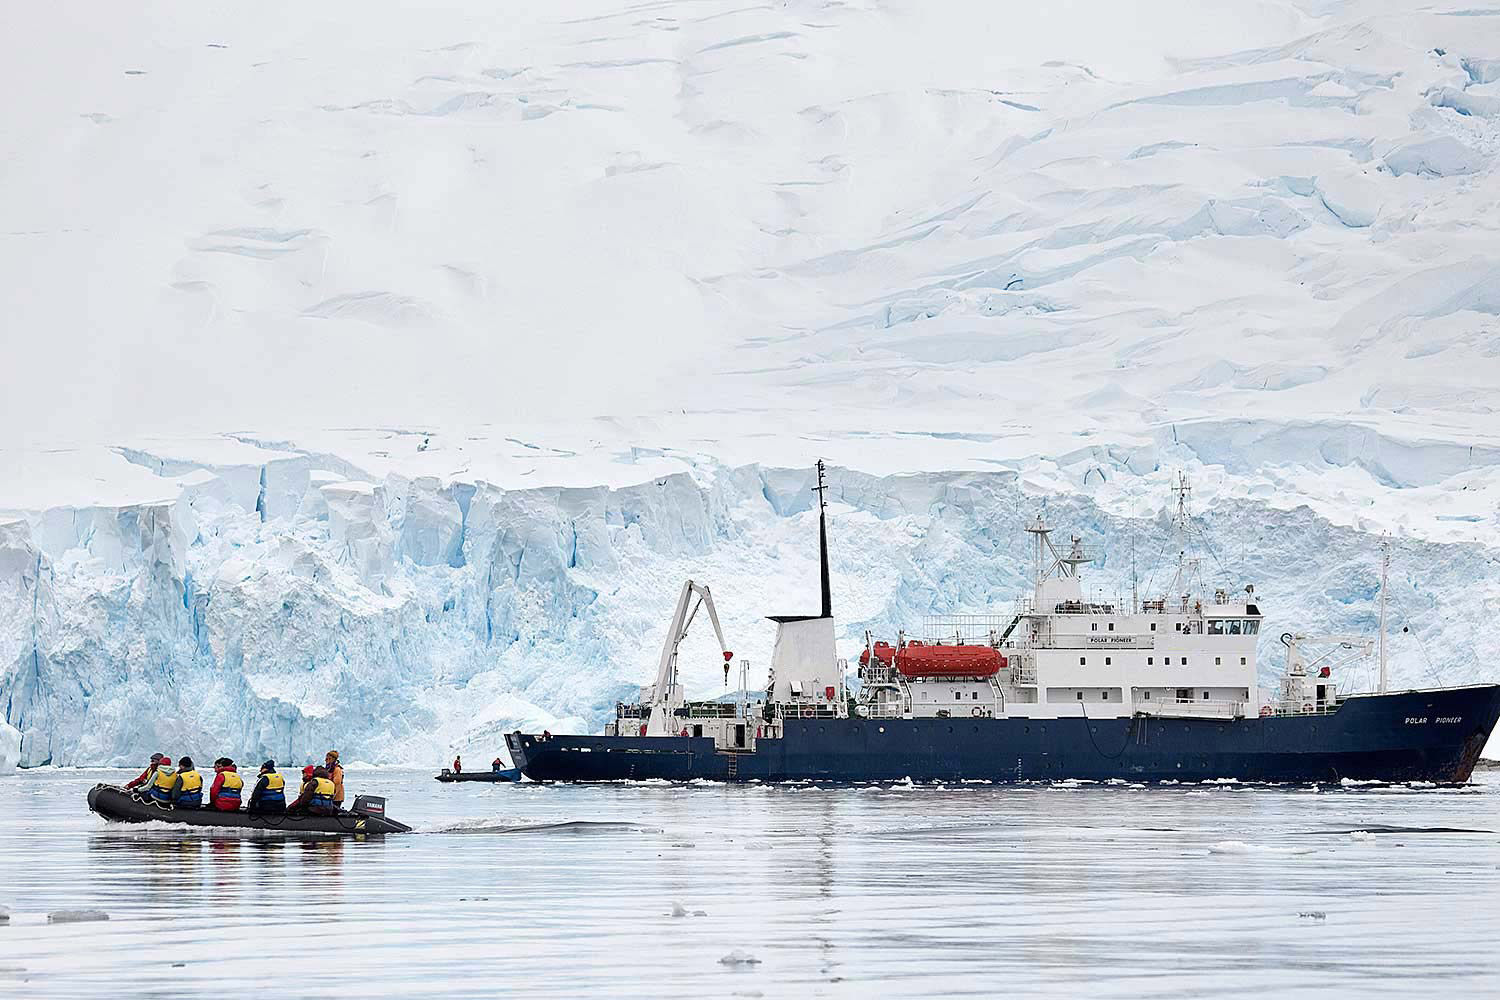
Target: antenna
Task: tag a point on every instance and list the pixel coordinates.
(1135, 595)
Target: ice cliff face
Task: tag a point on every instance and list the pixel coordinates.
(283, 610)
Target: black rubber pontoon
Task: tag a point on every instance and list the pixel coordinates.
(121, 806)
(502, 775)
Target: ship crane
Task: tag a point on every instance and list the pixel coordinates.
(665, 696)
(1295, 684)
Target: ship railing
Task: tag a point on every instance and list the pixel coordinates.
(1285, 708)
(709, 710)
(960, 629)
(1188, 708)
(884, 710)
(806, 710)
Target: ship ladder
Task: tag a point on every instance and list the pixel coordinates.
(734, 766)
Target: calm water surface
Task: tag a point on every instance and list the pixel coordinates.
(555, 891)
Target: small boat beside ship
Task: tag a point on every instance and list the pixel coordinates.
(366, 818)
(500, 775)
(1163, 688)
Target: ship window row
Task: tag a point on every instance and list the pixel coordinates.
(1216, 626)
(1083, 661)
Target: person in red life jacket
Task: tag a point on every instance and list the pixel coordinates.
(148, 776)
(316, 798)
(495, 764)
(224, 793)
(458, 765)
(269, 794)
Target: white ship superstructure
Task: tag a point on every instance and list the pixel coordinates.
(1185, 653)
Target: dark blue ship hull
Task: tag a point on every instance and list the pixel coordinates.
(1434, 735)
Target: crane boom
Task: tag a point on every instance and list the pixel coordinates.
(666, 694)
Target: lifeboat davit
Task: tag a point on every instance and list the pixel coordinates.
(917, 660)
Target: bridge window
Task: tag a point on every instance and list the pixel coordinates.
(1234, 626)
(1216, 628)
(1252, 627)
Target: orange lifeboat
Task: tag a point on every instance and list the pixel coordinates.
(884, 654)
(918, 661)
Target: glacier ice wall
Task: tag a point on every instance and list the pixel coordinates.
(283, 612)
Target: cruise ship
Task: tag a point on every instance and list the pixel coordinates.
(1162, 688)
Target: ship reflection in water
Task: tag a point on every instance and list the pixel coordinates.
(891, 890)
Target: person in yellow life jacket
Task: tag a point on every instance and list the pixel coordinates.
(316, 798)
(335, 775)
(162, 779)
(269, 795)
(183, 789)
(224, 794)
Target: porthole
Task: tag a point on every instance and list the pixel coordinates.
(882, 729)
(950, 729)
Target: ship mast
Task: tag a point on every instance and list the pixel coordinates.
(1186, 568)
(823, 541)
(1385, 566)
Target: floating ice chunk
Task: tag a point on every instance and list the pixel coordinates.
(1241, 847)
(1313, 915)
(738, 957)
(678, 910)
(75, 916)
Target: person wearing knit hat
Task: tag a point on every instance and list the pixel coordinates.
(316, 797)
(269, 794)
(147, 777)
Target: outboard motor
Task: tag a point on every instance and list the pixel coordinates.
(369, 805)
